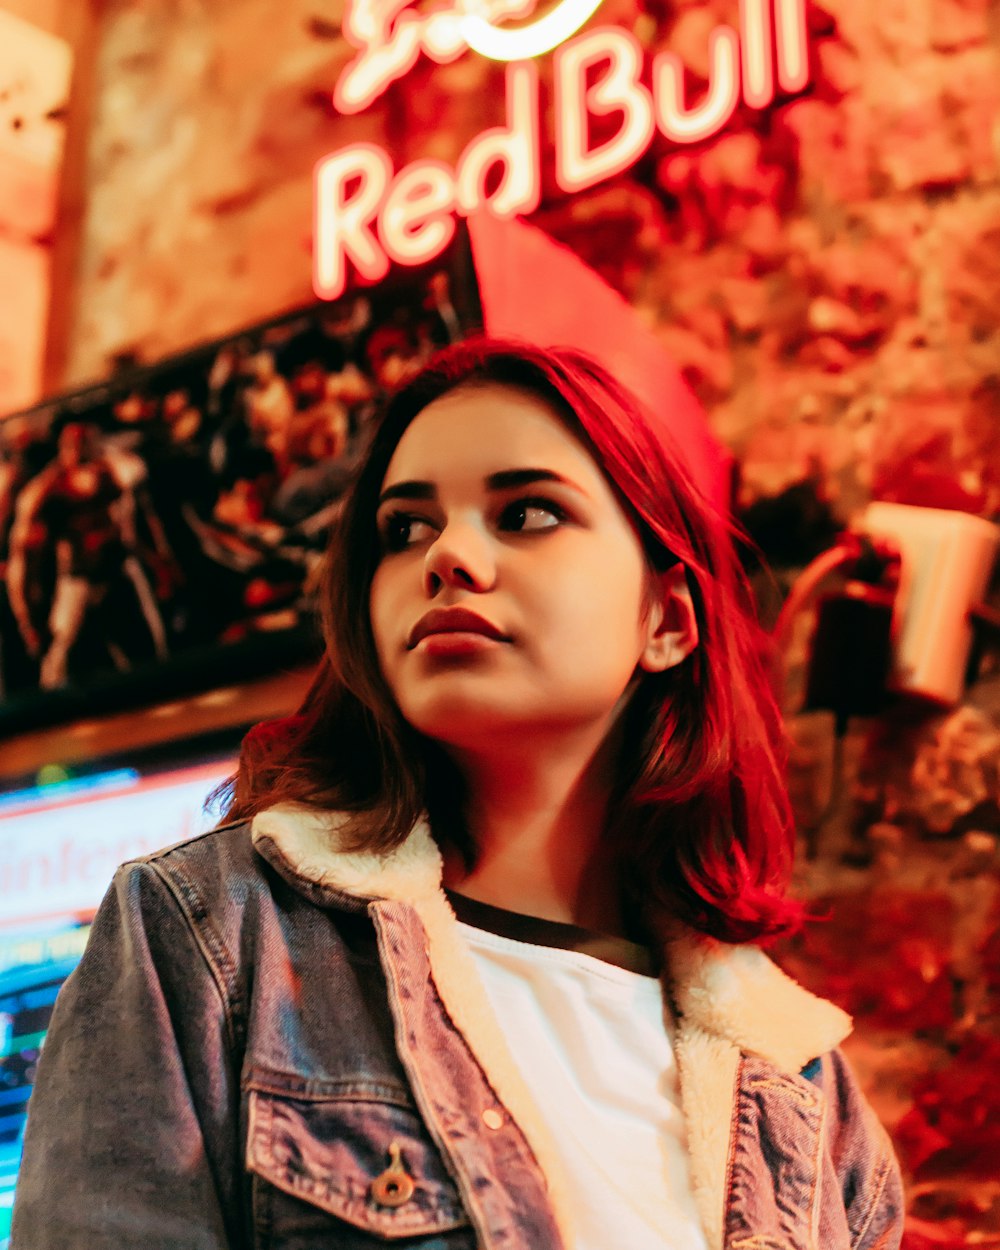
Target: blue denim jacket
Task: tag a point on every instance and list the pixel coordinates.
(272, 1044)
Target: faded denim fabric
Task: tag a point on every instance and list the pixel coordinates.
(809, 1166)
(241, 1053)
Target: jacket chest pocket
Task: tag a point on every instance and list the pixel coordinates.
(348, 1173)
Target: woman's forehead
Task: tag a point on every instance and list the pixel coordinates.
(480, 429)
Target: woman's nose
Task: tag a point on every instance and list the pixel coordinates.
(460, 557)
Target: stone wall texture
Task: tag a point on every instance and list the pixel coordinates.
(827, 276)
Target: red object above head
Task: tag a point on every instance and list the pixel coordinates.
(534, 289)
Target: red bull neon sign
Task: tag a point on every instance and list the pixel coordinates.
(370, 215)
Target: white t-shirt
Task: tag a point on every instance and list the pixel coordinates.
(594, 1042)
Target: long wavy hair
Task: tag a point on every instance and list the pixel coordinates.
(702, 812)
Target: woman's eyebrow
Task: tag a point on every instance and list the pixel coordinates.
(408, 490)
(505, 479)
(508, 478)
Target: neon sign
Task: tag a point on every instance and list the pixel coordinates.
(524, 42)
(390, 37)
(369, 215)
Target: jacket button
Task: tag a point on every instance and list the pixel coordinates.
(393, 1187)
(492, 1118)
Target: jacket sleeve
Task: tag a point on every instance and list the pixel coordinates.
(868, 1179)
(132, 1135)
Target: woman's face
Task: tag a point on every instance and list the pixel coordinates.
(490, 506)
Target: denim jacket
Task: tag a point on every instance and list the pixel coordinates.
(271, 1044)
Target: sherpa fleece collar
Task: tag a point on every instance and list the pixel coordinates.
(728, 999)
(732, 992)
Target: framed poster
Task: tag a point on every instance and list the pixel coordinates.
(159, 533)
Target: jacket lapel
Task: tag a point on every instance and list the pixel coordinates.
(302, 846)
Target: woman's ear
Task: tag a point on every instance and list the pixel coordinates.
(671, 627)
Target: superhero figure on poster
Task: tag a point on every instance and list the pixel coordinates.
(81, 507)
(16, 470)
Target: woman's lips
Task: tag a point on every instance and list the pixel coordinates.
(456, 624)
(456, 642)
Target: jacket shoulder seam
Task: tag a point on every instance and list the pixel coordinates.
(167, 852)
(209, 941)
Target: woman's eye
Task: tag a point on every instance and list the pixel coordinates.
(401, 530)
(528, 515)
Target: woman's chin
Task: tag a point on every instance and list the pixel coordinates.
(467, 722)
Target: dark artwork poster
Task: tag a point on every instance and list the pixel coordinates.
(160, 532)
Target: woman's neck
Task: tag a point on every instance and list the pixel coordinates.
(538, 816)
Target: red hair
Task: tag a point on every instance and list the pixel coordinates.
(703, 813)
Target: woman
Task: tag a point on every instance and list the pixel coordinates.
(471, 966)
